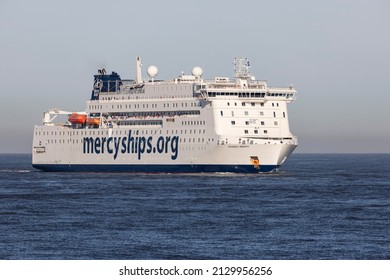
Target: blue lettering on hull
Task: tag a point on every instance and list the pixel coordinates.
(131, 145)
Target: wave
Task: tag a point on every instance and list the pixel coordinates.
(15, 171)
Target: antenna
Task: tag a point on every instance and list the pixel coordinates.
(138, 65)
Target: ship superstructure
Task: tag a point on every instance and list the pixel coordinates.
(186, 124)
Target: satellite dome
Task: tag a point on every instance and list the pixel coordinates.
(152, 71)
(197, 71)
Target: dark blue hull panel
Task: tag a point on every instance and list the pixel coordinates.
(155, 168)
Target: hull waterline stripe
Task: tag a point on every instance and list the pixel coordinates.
(155, 168)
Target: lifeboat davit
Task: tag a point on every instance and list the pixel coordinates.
(77, 118)
(93, 121)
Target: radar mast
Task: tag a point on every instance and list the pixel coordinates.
(241, 68)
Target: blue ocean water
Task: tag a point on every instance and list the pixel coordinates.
(318, 206)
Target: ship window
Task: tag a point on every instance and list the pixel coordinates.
(221, 113)
(256, 131)
(246, 131)
(275, 123)
(253, 104)
(265, 131)
(233, 122)
(273, 105)
(262, 123)
(277, 104)
(246, 113)
(246, 122)
(232, 113)
(274, 115)
(243, 103)
(228, 104)
(235, 103)
(284, 114)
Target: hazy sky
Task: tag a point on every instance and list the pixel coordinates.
(335, 52)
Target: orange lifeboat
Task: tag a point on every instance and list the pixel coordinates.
(93, 121)
(77, 118)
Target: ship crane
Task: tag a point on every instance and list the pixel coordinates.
(48, 118)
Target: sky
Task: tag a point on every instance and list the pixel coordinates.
(335, 52)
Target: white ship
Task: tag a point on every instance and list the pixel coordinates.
(187, 124)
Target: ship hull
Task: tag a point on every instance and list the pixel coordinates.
(81, 156)
(220, 158)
